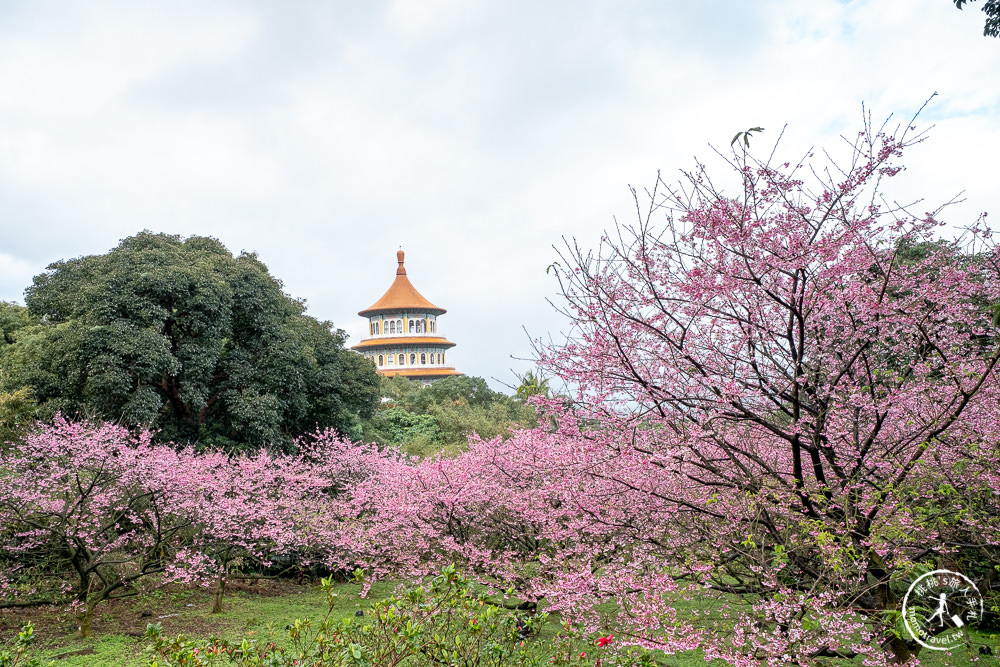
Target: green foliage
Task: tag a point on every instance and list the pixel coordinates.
(12, 319)
(914, 253)
(425, 420)
(992, 10)
(181, 336)
(745, 135)
(398, 427)
(532, 384)
(444, 622)
(415, 397)
(17, 413)
(17, 407)
(18, 653)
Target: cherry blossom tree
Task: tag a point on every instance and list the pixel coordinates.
(472, 511)
(94, 508)
(261, 507)
(802, 393)
(779, 416)
(93, 512)
(244, 517)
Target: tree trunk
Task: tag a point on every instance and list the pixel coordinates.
(901, 652)
(220, 589)
(83, 598)
(885, 599)
(85, 618)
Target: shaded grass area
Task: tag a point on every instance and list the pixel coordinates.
(263, 609)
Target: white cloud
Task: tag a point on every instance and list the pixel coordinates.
(325, 134)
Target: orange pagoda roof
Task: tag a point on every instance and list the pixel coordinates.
(402, 296)
(418, 372)
(399, 341)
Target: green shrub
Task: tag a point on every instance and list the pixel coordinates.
(17, 654)
(443, 622)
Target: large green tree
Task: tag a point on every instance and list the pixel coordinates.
(180, 335)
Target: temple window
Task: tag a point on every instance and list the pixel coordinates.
(381, 360)
(412, 325)
(423, 358)
(413, 359)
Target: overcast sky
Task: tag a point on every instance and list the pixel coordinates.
(325, 135)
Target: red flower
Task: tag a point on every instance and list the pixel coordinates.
(604, 641)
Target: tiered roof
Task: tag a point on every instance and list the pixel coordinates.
(402, 296)
(394, 339)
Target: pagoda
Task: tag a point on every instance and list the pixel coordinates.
(403, 336)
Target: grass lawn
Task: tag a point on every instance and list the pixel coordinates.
(261, 607)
